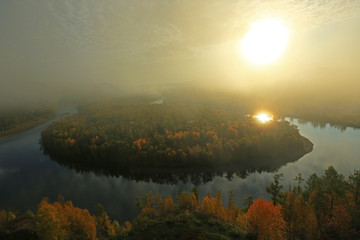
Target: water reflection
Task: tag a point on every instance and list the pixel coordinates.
(319, 124)
(174, 176)
(26, 175)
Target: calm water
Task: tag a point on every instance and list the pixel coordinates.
(26, 175)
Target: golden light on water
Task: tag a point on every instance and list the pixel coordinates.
(265, 41)
(263, 117)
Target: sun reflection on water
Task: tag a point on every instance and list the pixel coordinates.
(263, 117)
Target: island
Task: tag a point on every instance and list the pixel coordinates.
(118, 135)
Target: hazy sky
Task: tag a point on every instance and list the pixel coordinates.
(56, 48)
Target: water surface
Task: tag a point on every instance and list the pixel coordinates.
(27, 175)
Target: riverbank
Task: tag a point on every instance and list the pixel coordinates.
(16, 121)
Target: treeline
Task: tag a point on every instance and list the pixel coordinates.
(322, 118)
(325, 207)
(340, 113)
(115, 135)
(14, 121)
(60, 220)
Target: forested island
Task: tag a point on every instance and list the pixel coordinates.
(111, 136)
(322, 207)
(20, 119)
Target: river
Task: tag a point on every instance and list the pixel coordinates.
(27, 175)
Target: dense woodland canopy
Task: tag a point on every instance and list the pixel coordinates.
(126, 134)
(318, 112)
(322, 207)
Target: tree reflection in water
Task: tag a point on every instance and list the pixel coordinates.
(171, 176)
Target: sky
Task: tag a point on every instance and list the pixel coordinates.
(57, 49)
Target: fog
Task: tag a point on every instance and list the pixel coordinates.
(54, 50)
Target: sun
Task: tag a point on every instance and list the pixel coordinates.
(265, 41)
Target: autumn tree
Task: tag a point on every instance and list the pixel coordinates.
(3, 221)
(195, 191)
(334, 186)
(337, 225)
(103, 223)
(149, 205)
(187, 201)
(6, 218)
(117, 228)
(50, 222)
(167, 206)
(64, 221)
(208, 205)
(81, 225)
(266, 221)
(325, 194)
(299, 218)
(354, 192)
(354, 180)
(126, 227)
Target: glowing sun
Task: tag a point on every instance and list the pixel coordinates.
(265, 41)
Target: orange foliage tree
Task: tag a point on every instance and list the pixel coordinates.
(266, 221)
(167, 206)
(187, 201)
(64, 221)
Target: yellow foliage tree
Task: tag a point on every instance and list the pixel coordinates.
(57, 221)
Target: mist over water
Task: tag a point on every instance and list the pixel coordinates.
(55, 51)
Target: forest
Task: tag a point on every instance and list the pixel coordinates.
(322, 207)
(117, 135)
(319, 112)
(20, 119)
